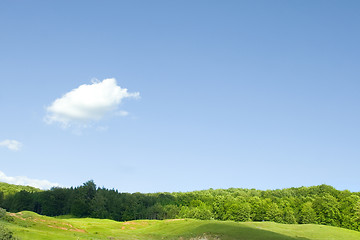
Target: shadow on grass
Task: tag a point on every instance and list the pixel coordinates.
(228, 232)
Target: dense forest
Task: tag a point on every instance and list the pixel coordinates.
(318, 204)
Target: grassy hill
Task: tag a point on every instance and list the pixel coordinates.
(9, 189)
(29, 225)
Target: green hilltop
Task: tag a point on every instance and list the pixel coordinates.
(9, 189)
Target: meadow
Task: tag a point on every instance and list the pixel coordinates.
(29, 225)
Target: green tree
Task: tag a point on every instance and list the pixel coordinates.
(53, 202)
(156, 212)
(98, 205)
(274, 213)
(82, 198)
(348, 209)
(1, 199)
(171, 211)
(240, 212)
(307, 214)
(258, 208)
(327, 210)
(202, 212)
(22, 200)
(356, 216)
(219, 207)
(289, 216)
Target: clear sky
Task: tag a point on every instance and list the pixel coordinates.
(148, 96)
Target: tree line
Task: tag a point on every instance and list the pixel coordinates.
(318, 204)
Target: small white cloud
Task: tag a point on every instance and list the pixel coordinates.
(11, 144)
(102, 128)
(88, 103)
(122, 113)
(22, 180)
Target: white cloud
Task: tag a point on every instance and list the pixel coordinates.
(102, 128)
(11, 144)
(22, 180)
(122, 113)
(88, 103)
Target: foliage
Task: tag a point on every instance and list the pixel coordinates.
(2, 213)
(5, 234)
(307, 213)
(240, 212)
(4, 216)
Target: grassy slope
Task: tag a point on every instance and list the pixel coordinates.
(28, 225)
(9, 189)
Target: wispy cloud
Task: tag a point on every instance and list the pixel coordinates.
(11, 144)
(22, 180)
(122, 113)
(88, 103)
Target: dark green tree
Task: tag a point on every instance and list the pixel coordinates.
(82, 199)
(98, 205)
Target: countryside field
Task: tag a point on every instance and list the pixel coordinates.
(29, 225)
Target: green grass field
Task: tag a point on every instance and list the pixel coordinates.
(29, 225)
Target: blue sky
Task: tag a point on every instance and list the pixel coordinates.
(250, 94)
